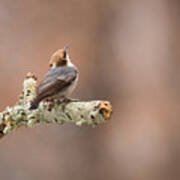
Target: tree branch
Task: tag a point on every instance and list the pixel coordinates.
(91, 112)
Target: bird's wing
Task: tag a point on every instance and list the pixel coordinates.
(56, 80)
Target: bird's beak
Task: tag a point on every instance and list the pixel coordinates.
(66, 47)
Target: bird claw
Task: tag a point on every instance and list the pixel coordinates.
(63, 102)
(67, 100)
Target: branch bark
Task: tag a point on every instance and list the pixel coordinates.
(91, 112)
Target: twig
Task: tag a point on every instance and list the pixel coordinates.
(91, 112)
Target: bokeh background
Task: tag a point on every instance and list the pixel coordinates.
(127, 51)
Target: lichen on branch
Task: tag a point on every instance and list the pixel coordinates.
(91, 112)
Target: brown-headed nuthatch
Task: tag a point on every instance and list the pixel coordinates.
(60, 80)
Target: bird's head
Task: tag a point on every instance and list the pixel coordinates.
(60, 58)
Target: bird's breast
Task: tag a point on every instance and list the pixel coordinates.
(68, 90)
(71, 87)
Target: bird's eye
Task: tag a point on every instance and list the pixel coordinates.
(51, 65)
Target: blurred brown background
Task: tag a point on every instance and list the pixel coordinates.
(127, 51)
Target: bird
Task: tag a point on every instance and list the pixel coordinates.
(60, 80)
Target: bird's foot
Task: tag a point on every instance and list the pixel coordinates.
(67, 100)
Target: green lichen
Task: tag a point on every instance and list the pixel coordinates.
(78, 113)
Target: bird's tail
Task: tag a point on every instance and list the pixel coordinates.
(34, 104)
